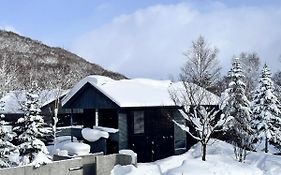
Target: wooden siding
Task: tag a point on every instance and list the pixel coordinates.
(89, 97)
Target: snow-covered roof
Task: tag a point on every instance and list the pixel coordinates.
(54, 97)
(138, 92)
(11, 102)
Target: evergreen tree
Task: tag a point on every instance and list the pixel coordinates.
(6, 147)
(32, 131)
(265, 111)
(236, 107)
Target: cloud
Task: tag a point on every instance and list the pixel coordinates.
(150, 42)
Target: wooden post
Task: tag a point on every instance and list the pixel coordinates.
(97, 117)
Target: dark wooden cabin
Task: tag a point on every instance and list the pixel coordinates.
(145, 122)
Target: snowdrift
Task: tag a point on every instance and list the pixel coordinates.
(220, 161)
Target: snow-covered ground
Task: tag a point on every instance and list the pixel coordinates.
(220, 161)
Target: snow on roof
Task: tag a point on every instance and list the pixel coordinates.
(11, 102)
(137, 92)
(54, 97)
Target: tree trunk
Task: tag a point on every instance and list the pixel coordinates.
(204, 146)
(266, 145)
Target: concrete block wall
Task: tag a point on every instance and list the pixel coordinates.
(95, 164)
(64, 167)
(106, 163)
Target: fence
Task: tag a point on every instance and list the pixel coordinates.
(84, 165)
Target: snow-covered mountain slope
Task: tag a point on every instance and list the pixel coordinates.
(33, 58)
(220, 161)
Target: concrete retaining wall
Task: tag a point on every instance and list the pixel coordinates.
(64, 167)
(85, 165)
(106, 163)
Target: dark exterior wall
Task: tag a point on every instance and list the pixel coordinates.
(157, 140)
(88, 97)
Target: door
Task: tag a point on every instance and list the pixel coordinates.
(161, 133)
(138, 139)
(152, 135)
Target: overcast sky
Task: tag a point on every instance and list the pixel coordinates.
(146, 38)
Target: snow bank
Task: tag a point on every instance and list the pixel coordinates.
(75, 148)
(93, 135)
(220, 161)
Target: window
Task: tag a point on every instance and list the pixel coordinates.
(138, 122)
(179, 134)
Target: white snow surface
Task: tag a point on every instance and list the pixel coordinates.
(40, 159)
(220, 161)
(93, 135)
(137, 92)
(58, 144)
(76, 148)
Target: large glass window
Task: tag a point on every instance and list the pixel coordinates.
(138, 122)
(123, 131)
(179, 134)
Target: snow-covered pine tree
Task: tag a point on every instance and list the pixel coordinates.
(32, 131)
(266, 120)
(236, 106)
(6, 147)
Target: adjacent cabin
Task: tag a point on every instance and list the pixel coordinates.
(141, 109)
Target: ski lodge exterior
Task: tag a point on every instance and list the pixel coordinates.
(141, 109)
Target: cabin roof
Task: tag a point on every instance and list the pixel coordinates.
(11, 102)
(139, 92)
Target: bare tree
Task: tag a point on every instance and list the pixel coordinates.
(8, 71)
(64, 77)
(198, 112)
(250, 63)
(202, 66)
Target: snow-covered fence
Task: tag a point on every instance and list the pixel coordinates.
(85, 165)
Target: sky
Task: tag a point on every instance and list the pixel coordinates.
(147, 38)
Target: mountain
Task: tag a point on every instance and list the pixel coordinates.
(25, 60)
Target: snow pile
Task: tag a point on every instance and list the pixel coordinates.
(93, 135)
(76, 148)
(130, 153)
(58, 143)
(220, 161)
(41, 158)
(138, 92)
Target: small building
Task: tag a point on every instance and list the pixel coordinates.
(142, 110)
(11, 105)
